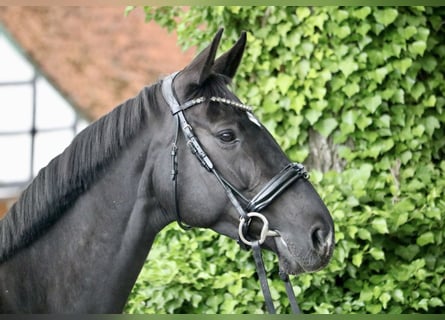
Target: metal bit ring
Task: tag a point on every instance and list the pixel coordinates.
(265, 232)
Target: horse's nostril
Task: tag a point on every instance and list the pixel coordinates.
(319, 239)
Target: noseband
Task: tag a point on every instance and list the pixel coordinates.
(250, 210)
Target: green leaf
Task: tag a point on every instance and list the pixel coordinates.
(319, 105)
(429, 63)
(398, 295)
(387, 145)
(326, 126)
(399, 96)
(342, 32)
(426, 238)
(434, 213)
(407, 82)
(364, 234)
(431, 123)
(386, 16)
(284, 28)
(363, 122)
(347, 66)
(402, 218)
(350, 89)
(348, 122)
(272, 41)
(379, 225)
(229, 304)
(384, 299)
(374, 308)
(323, 308)
(352, 230)
(423, 304)
(406, 156)
(312, 115)
(407, 32)
(357, 259)
(303, 68)
(284, 82)
(417, 47)
(349, 117)
(297, 103)
(362, 13)
(319, 93)
(379, 74)
(307, 48)
(430, 102)
(303, 12)
(270, 106)
(372, 103)
(340, 15)
(384, 121)
(268, 84)
(317, 20)
(214, 301)
(377, 254)
(435, 302)
(366, 294)
(418, 130)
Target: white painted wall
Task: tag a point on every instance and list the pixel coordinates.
(55, 120)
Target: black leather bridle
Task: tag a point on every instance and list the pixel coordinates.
(276, 186)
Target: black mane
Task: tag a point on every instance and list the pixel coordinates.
(70, 174)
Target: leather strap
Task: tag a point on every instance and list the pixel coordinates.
(261, 271)
(276, 186)
(167, 92)
(290, 292)
(169, 95)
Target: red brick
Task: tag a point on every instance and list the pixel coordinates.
(95, 56)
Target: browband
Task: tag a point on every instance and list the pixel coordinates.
(170, 96)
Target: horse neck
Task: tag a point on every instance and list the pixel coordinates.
(99, 245)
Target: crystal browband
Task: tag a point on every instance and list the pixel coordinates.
(229, 102)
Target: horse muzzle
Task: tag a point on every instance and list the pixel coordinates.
(304, 256)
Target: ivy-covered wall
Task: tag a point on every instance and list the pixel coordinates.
(357, 93)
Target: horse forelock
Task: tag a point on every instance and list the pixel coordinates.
(215, 85)
(71, 173)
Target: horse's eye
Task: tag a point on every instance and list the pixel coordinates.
(227, 136)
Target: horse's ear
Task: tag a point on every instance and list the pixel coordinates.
(228, 63)
(201, 67)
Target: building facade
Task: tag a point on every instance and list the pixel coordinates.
(63, 67)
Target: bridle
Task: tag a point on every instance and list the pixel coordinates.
(277, 185)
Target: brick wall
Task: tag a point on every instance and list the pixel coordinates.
(119, 55)
(4, 206)
(2, 209)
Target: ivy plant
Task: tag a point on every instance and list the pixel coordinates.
(371, 81)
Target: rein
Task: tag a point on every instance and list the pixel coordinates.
(276, 186)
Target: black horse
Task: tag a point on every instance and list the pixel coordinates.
(78, 236)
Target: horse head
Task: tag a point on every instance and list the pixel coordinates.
(246, 162)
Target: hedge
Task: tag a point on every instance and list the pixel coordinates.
(369, 81)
